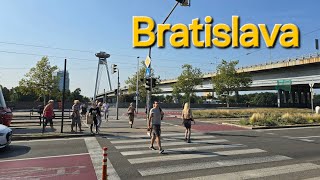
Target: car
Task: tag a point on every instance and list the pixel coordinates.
(5, 136)
(5, 112)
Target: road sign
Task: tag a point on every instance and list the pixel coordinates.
(147, 62)
(148, 72)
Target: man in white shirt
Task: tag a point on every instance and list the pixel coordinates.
(106, 110)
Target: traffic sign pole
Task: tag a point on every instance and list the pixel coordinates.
(311, 95)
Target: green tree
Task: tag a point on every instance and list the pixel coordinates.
(228, 80)
(187, 82)
(40, 79)
(132, 83)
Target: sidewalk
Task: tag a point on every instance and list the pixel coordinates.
(31, 129)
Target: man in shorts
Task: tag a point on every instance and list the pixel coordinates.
(155, 127)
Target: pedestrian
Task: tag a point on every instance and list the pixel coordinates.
(154, 125)
(131, 110)
(187, 117)
(40, 111)
(83, 110)
(94, 112)
(106, 110)
(99, 118)
(75, 116)
(48, 115)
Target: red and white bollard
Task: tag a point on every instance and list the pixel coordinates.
(104, 164)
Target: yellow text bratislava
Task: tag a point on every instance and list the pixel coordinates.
(219, 35)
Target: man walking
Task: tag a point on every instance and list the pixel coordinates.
(155, 127)
(106, 110)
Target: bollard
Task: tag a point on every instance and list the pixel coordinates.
(104, 164)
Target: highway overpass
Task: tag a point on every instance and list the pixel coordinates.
(299, 71)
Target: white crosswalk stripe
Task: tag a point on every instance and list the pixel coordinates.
(171, 144)
(209, 165)
(145, 135)
(183, 150)
(260, 173)
(220, 153)
(193, 156)
(164, 139)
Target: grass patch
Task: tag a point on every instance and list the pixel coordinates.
(241, 113)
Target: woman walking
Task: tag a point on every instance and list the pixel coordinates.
(94, 112)
(131, 111)
(48, 115)
(76, 115)
(187, 118)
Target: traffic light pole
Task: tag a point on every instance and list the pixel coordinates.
(118, 88)
(149, 93)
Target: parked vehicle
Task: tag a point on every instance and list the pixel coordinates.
(5, 136)
(5, 112)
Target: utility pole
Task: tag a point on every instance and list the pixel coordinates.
(63, 92)
(137, 90)
(118, 96)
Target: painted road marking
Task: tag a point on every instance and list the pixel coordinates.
(193, 156)
(47, 140)
(144, 135)
(95, 152)
(183, 150)
(61, 167)
(171, 144)
(43, 157)
(163, 139)
(260, 173)
(209, 165)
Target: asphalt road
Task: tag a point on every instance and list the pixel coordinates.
(216, 152)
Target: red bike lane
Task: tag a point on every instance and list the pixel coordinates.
(59, 167)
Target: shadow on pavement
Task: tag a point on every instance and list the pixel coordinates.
(14, 151)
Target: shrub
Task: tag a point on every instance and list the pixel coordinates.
(256, 118)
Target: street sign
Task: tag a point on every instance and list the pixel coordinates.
(148, 72)
(147, 62)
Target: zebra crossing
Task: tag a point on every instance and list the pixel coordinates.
(208, 154)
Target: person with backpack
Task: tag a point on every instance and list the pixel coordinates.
(154, 125)
(131, 111)
(187, 117)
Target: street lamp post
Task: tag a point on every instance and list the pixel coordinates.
(137, 89)
(183, 3)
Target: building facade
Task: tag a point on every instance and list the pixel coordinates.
(60, 74)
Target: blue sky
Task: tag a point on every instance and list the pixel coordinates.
(99, 25)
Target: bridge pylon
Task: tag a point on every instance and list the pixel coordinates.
(102, 62)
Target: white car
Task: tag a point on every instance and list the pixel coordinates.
(5, 136)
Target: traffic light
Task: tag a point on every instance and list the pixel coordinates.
(184, 2)
(154, 82)
(116, 92)
(148, 84)
(114, 68)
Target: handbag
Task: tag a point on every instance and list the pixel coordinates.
(89, 119)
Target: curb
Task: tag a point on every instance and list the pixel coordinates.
(273, 127)
(19, 138)
(245, 127)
